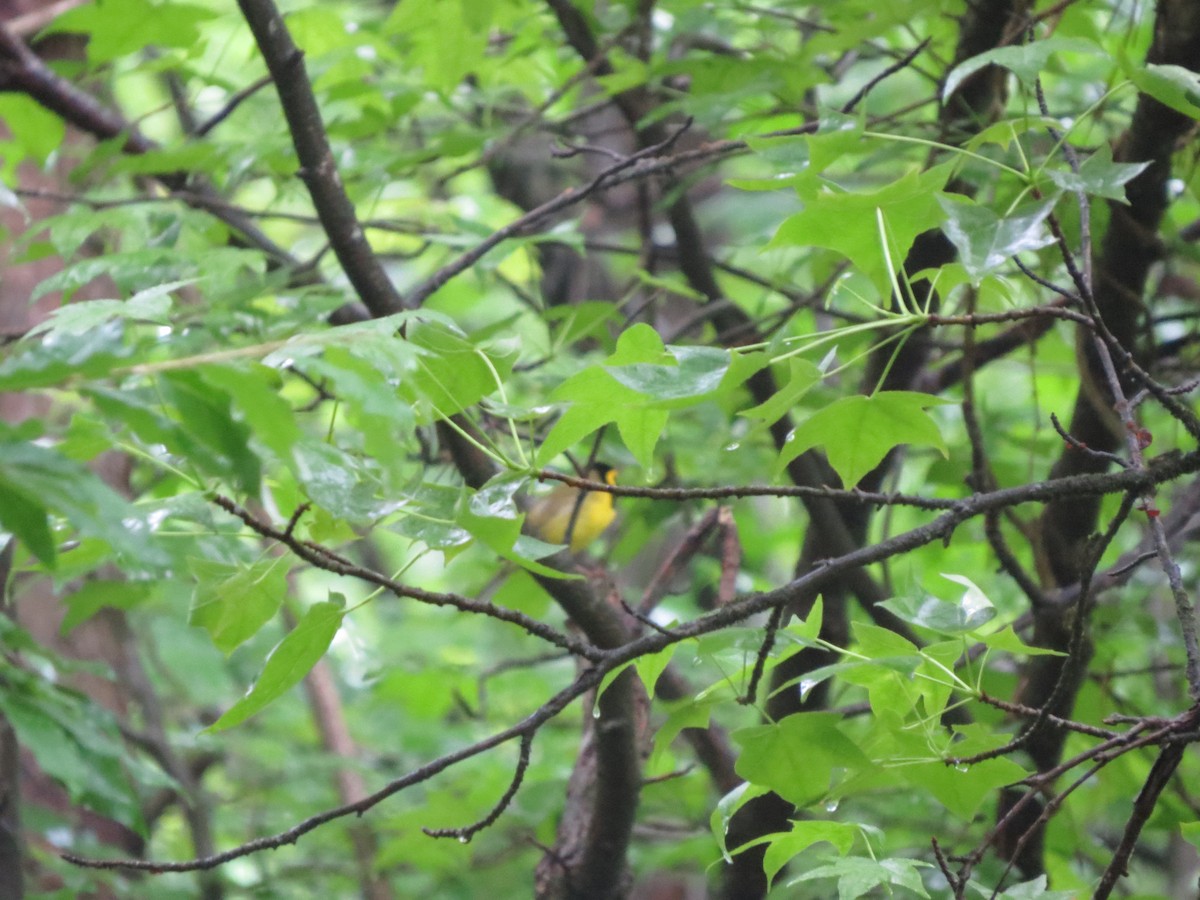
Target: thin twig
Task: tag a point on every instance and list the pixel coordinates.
(760, 658)
(1169, 758)
(902, 63)
(749, 490)
(326, 559)
(530, 221)
(235, 100)
(467, 832)
(528, 726)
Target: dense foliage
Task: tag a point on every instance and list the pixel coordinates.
(882, 312)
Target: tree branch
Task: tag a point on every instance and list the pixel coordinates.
(285, 62)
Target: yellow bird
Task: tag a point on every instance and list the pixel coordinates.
(586, 514)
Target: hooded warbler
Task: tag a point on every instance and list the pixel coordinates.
(585, 514)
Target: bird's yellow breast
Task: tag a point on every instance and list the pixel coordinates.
(550, 517)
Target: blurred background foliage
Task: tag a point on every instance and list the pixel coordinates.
(166, 354)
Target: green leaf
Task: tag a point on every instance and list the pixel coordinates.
(492, 520)
(902, 681)
(934, 678)
(802, 375)
(118, 27)
(288, 663)
(806, 630)
(429, 511)
(636, 387)
(972, 612)
(695, 372)
(129, 270)
(76, 743)
(629, 72)
(847, 222)
(858, 431)
(22, 514)
(222, 444)
(839, 136)
(232, 602)
(82, 316)
(788, 157)
(1026, 61)
(498, 532)
(337, 481)
(58, 358)
(366, 380)
(1173, 86)
(1037, 889)
(651, 666)
(858, 875)
(369, 396)
(496, 498)
(577, 321)
(987, 242)
(139, 409)
(446, 39)
(94, 596)
(640, 430)
(34, 129)
(963, 790)
(577, 422)
(1004, 132)
(1008, 641)
(932, 613)
(610, 676)
(639, 343)
(595, 386)
(597, 400)
(254, 391)
(727, 808)
(194, 157)
(34, 479)
(374, 340)
(451, 372)
(1190, 832)
(672, 285)
(783, 847)
(797, 756)
(1099, 175)
(682, 714)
